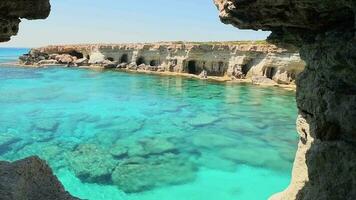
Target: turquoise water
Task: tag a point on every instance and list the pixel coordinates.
(113, 135)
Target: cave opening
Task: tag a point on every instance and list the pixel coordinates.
(245, 69)
(153, 63)
(270, 72)
(221, 66)
(76, 54)
(140, 61)
(124, 58)
(88, 57)
(110, 59)
(192, 68)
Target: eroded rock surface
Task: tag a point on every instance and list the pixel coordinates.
(227, 60)
(30, 179)
(324, 31)
(12, 11)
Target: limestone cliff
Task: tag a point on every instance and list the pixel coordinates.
(234, 60)
(324, 30)
(11, 11)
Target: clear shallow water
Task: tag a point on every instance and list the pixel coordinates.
(113, 135)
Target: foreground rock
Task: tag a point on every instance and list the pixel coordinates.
(324, 31)
(30, 179)
(224, 60)
(12, 11)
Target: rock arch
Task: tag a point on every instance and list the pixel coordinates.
(192, 67)
(76, 54)
(153, 63)
(140, 60)
(124, 58)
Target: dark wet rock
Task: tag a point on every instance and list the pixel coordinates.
(12, 11)
(138, 175)
(30, 179)
(91, 163)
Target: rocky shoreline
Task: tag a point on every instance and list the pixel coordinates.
(259, 63)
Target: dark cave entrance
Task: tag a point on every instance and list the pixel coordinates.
(153, 63)
(192, 67)
(270, 72)
(110, 59)
(76, 54)
(140, 61)
(245, 69)
(124, 58)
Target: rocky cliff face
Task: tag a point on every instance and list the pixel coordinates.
(324, 30)
(30, 179)
(11, 11)
(232, 60)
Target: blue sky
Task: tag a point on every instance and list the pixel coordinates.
(115, 21)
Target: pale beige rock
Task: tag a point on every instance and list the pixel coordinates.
(228, 60)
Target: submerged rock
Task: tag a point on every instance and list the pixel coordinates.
(210, 140)
(30, 179)
(91, 163)
(141, 174)
(157, 145)
(6, 140)
(46, 125)
(203, 120)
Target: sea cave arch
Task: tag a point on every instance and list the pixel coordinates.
(140, 60)
(153, 63)
(124, 58)
(77, 54)
(192, 67)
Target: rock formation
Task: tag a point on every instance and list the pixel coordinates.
(234, 60)
(12, 11)
(30, 179)
(324, 31)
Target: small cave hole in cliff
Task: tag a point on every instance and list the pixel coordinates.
(76, 54)
(153, 63)
(270, 72)
(140, 61)
(110, 59)
(124, 59)
(88, 57)
(192, 68)
(245, 69)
